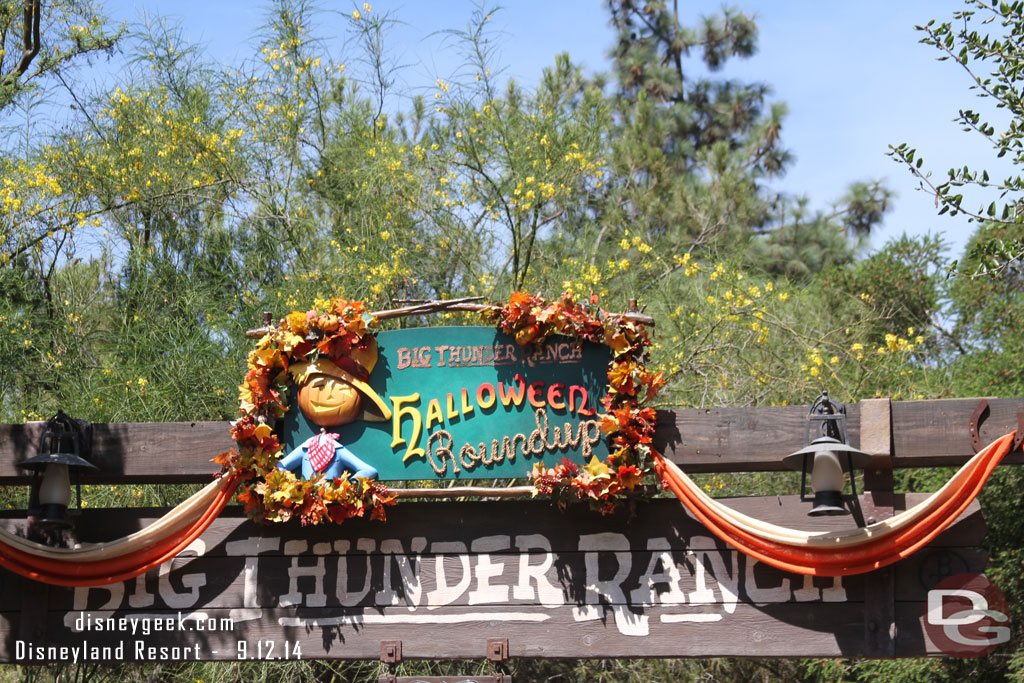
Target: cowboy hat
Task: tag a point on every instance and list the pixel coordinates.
(361, 362)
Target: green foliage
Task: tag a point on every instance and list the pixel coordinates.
(515, 161)
(804, 242)
(990, 317)
(691, 151)
(38, 41)
(992, 60)
(902, 283)
(802, 245)
(688, 151)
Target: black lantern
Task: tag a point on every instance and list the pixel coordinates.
(63, 443)
(827, 456)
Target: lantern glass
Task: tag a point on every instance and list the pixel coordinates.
(56, 486)
(826, 472)
(827, 481)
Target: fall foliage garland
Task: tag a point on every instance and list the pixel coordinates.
(273, 495)
(627, 422)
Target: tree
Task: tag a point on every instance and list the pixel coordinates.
(689, 151)
(985, 294)
(987, 298)
(994, 64)
(990, 318)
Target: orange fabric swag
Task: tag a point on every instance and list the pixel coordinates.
(70, 572)
(839, 553)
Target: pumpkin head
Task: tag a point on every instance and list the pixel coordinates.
(329, 401)
(330, 395)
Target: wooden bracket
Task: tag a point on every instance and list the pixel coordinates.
(497, 649)
(876, 434)
(391, 651)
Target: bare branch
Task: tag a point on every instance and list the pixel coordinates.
(30, 40)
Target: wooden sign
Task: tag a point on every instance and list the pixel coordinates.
(451, 580)
(445, 578)
(462, 403)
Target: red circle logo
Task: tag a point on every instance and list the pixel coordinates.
(966, 615)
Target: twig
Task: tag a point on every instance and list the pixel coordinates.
(438, 306)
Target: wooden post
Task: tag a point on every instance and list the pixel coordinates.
(879, 503)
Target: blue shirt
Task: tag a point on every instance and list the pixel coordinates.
(344, 460)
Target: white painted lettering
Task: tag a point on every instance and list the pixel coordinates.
(617, 546)
(318, 598)
(728, 582)
(669, 574)
(411, 589)
(250, 548)
(446, 593)
(536, 545)
(193, 582)
(341, 548)
(141, 597)
(757, 593)
(485, 592)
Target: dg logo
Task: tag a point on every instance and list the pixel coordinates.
(966, 616)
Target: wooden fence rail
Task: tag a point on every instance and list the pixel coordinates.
(924, 434)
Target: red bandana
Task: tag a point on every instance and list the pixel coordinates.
(321, 450)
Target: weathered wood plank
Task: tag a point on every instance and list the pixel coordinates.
(160, 452)
(913, 635)
(925, 434)
(751, 630)
(428, 582)
(355, 579)
(879, 504)
(735, 439)
(935, 433)
(343, 566)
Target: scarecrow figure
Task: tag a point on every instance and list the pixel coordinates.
(331, 395)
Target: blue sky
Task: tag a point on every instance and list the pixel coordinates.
(853, 75)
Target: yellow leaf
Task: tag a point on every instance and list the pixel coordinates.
(597, 469)
(297, 322)
(618, 342)
(289, 340)
(268, 356)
